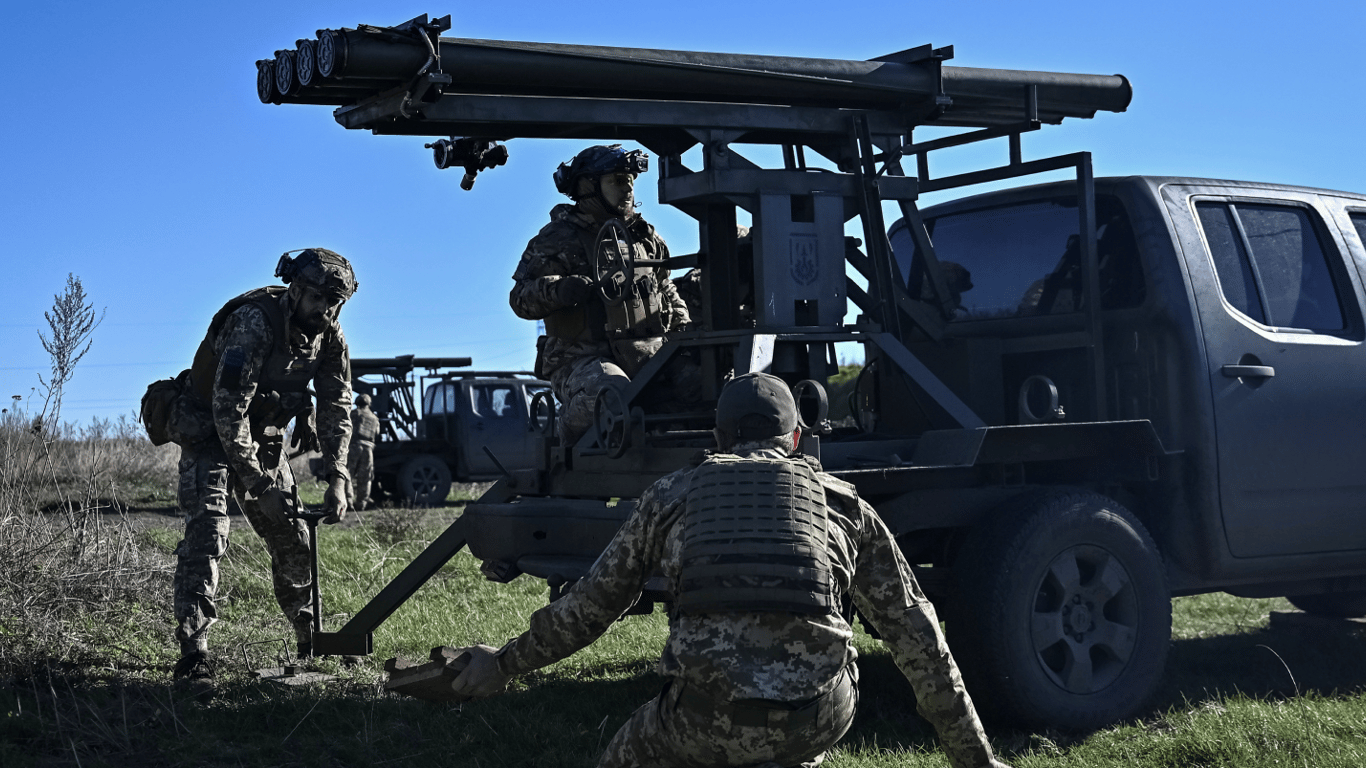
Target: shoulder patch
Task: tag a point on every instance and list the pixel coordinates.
(230, 375)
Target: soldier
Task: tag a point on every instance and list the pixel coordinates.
(760, 665)
(360, 462)
(250, 378)
(585, 348)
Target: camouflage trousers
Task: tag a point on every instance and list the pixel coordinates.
(205, 483)
(681, 728)
(578, 383)
(360, 462)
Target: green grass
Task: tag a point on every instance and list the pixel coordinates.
(1228, 698)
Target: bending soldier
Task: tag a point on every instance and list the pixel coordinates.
(360, 461)
(250, 378)
(585, 348)
(759, 660)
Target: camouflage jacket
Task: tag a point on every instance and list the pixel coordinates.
(558, 251)
(244, 421)
(775, 656)
(364, 426)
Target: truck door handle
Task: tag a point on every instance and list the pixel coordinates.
(1248, 371)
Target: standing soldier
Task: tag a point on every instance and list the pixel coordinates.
(361, 460)
(585, 348)
(759, 660)
(250, 378)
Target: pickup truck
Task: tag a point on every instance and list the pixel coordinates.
(1231, 318)
(471, 426)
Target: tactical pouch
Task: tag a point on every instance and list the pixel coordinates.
(158, 406)
(171, 414)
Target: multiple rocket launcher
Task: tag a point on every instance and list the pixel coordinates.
(349, 66)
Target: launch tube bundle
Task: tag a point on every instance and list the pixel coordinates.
(362, 70)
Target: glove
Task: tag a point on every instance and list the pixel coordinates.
(274, 506)
(481, 677)
(305, 435)
(573, 289)
(335, 500)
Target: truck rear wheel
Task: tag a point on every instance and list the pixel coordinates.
(1344, 605)
(424, 480)
(1067, 612)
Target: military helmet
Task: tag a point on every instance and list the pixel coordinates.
(325, 270)
(596, 161)
(754, 406)
(362, 401)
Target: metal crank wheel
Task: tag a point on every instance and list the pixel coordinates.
(613, 421)
(543, 412)
(614, 263)
(813, 405)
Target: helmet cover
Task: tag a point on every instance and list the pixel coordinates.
(328, 271)
(596, 161)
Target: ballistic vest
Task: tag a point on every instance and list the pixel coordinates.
(282, 389)
(755, 539)
(594, 320)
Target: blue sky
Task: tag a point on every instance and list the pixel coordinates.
(136, 155)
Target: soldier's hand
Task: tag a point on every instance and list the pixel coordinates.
(274, 506)
(481, 677)
(573, 289)
(335, 500)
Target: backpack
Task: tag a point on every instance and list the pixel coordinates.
(159, 407)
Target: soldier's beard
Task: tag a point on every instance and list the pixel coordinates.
(599, 209)
(313, 324)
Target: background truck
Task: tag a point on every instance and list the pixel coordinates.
(1078, 400)
(468, 426)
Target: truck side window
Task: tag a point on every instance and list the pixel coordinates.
(1272, 265)
(1359, 220)
(439, 399)
(491, 401)
(1024, 259)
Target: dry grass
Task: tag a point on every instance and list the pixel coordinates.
(72, 570)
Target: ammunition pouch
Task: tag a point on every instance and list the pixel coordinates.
(539, 367)
(581, 322)
(640, 315)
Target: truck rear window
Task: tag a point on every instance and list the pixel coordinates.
(1024, 259)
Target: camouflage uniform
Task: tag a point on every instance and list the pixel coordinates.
(576, 354)
(360, 461)
(241, 452)
(751, 687)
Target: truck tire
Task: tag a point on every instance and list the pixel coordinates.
(1067, 612)
(1343, 605)
(424, 480)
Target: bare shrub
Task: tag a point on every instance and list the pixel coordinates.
(73, 575)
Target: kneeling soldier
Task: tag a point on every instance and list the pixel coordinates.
(759, 660)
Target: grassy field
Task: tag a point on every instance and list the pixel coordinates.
(1237, 692)
(86, 541)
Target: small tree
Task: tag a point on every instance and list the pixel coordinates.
(72, 321)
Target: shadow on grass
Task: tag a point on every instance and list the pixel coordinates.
(1272, 662)
(62, 719)
(66, 719)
